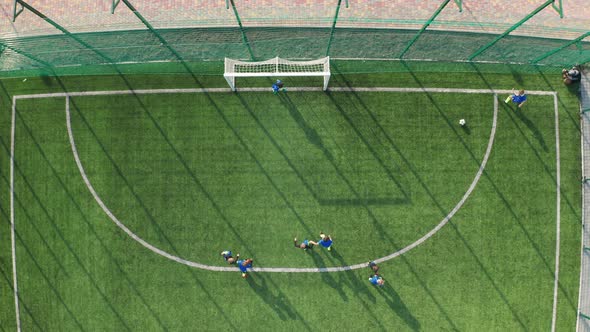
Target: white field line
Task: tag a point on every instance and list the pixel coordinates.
(463, 199)
(112, 216)
(558, 220)
(12, 231)
(228, 90)
(582, 128)
(269, 269)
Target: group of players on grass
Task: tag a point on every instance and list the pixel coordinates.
(324, 241)
(516, 97)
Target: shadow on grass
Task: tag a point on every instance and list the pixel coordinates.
(327, 277)
(88, 224)
(150, 217)
(521, 114)
(573, 89)
(201, 285)
(59, 233)
(299, 119)
(47, 280)
(9, 281)
(315, 139)
(351, 280)
(546, 167)
(396, 304)
(443, 212)
(279, 302)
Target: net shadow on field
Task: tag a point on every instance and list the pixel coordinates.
(574, 121)
(465, 243)
(39, 268)
(328, 278)
(550, 270)
(150, 217)
(384, 236)
(562, 106)
(335, 282)
(84, 218)
(396, 304)
(88, 224)
(315, 139)
(505, 200)
(519, 112)
(7, 279)
(567, 111)
(279, 302)
(55, 227)
(217, 208)
(361, 289)
(253, 156)
(437, 204)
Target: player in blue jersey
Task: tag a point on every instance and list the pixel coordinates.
(278, 85)
(244, 265)
(227, 255)
(306, 244)
(518, 98)
(377, 280)
(325, 241)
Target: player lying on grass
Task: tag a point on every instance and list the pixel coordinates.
(227, 255)
(306, 244)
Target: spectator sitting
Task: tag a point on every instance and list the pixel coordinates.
(571, 76)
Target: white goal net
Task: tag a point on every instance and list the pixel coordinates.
(276, 67)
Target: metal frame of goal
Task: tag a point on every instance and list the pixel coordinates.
(276, 67)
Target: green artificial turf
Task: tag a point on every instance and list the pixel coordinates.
(194, 174)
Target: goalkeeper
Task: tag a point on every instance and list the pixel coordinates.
(518, 98)
(278, 85)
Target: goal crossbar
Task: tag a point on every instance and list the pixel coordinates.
(276, 67)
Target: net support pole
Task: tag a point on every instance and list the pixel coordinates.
(512, 28)
(64, 30)
(16, 11)
(558, 9)
(244, 37)
(550, 53)
(430, 20)
(334, 26)
(114, 5)
(460, 5)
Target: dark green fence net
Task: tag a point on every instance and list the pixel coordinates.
(259, 33)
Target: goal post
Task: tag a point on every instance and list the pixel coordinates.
(276, 67)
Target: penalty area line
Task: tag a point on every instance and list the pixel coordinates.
(276, 269)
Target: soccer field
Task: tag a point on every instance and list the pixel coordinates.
(122, 201)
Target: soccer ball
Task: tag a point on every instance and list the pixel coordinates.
(462, 122)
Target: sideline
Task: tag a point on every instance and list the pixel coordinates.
(558, 217)
(12, 230)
